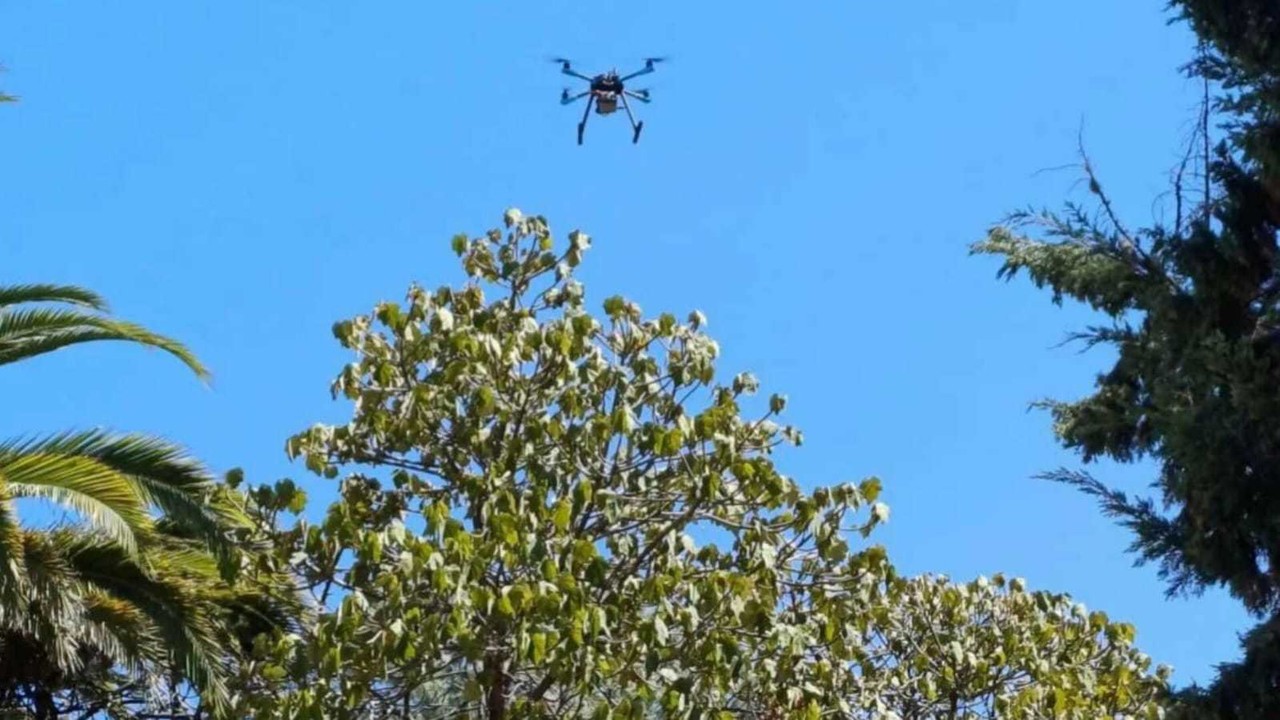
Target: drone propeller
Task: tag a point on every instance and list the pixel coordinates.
(564, 68)
(648, 67)
(566, 98)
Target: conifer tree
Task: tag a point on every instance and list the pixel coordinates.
(1193, 310)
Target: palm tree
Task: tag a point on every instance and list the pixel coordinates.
(143, 578)
(109, 632)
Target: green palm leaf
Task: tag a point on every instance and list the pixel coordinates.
(44, 292)
(172, 604)
(104, 496)
(49, 600)
(120, 631)
(163, 476)
(11, 552)
(61, 624)
(27, 333)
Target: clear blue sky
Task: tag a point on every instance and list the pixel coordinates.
(242, 174)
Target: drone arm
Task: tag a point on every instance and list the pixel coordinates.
(574, 73)
(566, 99)
(647, 69)
(637, 96)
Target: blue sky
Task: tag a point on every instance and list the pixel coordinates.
(242, 174)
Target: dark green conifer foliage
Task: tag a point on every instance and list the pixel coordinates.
(1194, 315)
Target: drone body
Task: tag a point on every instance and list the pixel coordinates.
(605, 91)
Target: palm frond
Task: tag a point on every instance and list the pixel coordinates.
(121, 632)
(27, 333)
(12, 565)
(49, 609)
(100, 516)
(176, 609)
(257, 602)
(176, 558)
(43, 292)
(107, 498)
(181, 488)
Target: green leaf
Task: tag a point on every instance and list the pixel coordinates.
(562, 515)
(615, 305)
(583, 491)
(660, 632)
(869, 489)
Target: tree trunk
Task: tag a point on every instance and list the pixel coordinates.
(496, 698)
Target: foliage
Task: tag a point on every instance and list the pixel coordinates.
(137, 588)
(534, 539)
(76, 316)
(114, 635)
(1194, 315)
(1242, 57)
(518, 538)
(1190, 385)
(992, 649)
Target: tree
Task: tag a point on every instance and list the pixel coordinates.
(992, 649)
(108, 634)
(1194, 315)
(988, 649)
(118, 597)
(1240, 55)
(518, 538)
(521, 527)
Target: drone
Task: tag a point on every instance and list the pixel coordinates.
(606, 91)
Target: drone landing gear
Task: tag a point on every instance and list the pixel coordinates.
(635, 126)
(586, 113)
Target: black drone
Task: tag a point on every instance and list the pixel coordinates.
(606, 90)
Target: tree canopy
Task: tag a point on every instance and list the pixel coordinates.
(532, 534)
(992, 649)
(1193, 312)
(546, 514)
(138, 593)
